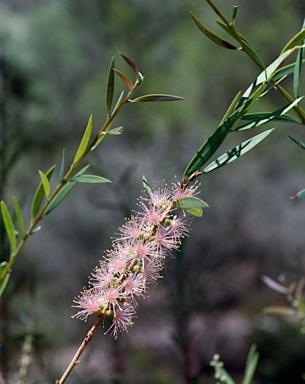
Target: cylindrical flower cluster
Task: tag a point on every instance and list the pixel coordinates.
(136, 259)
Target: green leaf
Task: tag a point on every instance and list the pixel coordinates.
(125, 78)
(258, 119)
(247, 47)
(146, 186)
(118, 103)
(5, 280)
(197, 212)
(90, 179)
(237, 151)
(115, 131)
(45, 183)
(191, 202)
(231, 107)
(298, 38)
(66, 189)
(252, 93)
(156, 98)
(61, 195)
(227, 29)
(251, 365)
(19, 217)
(266, 75)
(9, 226)
(297, 72)
(132, 65)
(298, 142)
(39, 194)
(110, 87)
(62, 167)
(211, 35)
(299, 195)
(210, 146)
(284, 71)
(84, 142)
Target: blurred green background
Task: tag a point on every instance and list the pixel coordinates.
(54, 60)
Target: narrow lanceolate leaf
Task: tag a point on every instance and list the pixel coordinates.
(249, 49)
(118, 103)
(299, 195)
(62, 194)
(253, 92)
(211, 35)
(266, 75)
(231, 107)
(297, 72)
(110, 87)
(297, 39)
(19, 217)
(132, 65)
(237, 151)
(156, 98)
(40, 194)
(284, 71)
(227, 29)
(258, 119)
(125, 78)
(84, 142)
(4, 280)
(90, 179)
(146, 186)
(210, 146)
(62, 167)
(45, 183)
(298, 142)
(251, 365)
(9, 226)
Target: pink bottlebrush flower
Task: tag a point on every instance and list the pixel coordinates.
(144, 250)
(151, 273)
(118, 263)
(178, 227)
(111, 295)
(152, 214)
(136, 259)
(165, 241)
(134, 285)
(179, 193)
(101, 277)
(160, 198)
(133, 229)
(89, 302)
(122, 319)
